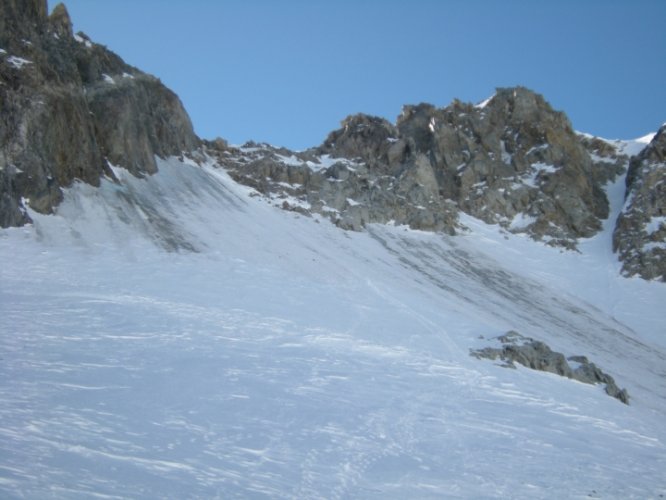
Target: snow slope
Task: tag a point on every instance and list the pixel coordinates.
(178, 337)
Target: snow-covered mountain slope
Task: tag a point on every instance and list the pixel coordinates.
(178, 337)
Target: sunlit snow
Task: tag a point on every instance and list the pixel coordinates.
(178, 337)
(485, 102)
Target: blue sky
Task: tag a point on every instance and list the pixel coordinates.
(287, 72)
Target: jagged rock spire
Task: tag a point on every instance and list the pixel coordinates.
(60, 22)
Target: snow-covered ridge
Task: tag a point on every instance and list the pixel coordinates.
(628, 147)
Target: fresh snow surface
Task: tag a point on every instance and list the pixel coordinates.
(271, 355)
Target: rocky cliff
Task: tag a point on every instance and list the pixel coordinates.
(511, 160)
(640, 232)
(69, 107)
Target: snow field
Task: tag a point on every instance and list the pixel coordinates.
(269, 355)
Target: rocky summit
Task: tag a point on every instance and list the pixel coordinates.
(72, 109)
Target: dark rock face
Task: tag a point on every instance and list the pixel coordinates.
(514, 348)
(68, 106)
(21, 17)
(351, 193)
(136, 118)
(640, 231)
(512, 160)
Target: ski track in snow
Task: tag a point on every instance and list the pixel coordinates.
(272, 356)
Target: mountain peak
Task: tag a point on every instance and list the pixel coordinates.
(60, 22)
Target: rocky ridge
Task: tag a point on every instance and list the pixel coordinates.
(512, 161)
(72, 109)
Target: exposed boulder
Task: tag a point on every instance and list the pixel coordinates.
(68, 107)
(515, 348)
(640, 232)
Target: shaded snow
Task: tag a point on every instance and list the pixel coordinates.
(270, 355)
(18, 62)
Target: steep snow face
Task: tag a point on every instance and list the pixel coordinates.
(177, 336)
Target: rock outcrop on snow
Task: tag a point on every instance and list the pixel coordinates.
(515, 348)
(69, 108)
(640, 232)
